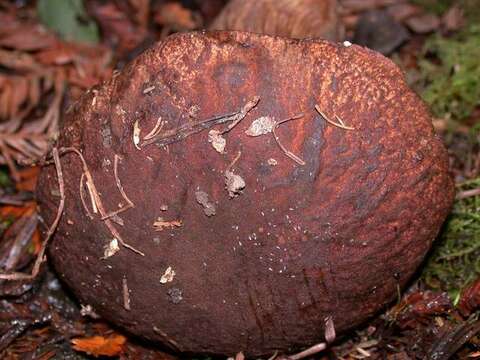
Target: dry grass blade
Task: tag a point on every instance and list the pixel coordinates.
(82, 197)
(283, 148)
(156, 129)
(187, 129)
(51, 229)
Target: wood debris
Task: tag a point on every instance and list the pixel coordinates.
(161, 224)
(266, 125)
(148, 89)
(179, 133)
(87, 310)
(272, 162)
(234, 183)
(208, 206)
(111, 249)
(136, 134)
(126, 294)
(330, 333)
(167, 276)
(261, 126)
(217, 140)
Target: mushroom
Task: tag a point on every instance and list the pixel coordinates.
(333, 236)
(289, 18)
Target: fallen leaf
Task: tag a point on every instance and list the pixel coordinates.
(69, 19)
(100, 346)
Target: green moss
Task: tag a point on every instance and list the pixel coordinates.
(455, 258)
(451, 73)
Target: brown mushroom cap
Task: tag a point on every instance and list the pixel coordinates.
(289, 18)
(333, 237)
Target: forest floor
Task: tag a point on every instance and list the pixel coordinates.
(41, 73)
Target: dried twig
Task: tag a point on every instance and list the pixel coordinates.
(51, 229)
(187, 129)
(97, 200)
(340, 122)
(130, 204)
(309, 352)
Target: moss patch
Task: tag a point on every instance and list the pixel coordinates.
(451, 73)
(455, 258)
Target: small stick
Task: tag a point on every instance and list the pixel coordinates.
(340, 123)
(241, 115)
(468, 193)
(92, 197)
(130, 204)
(187, 129)
(308, 352)
(98, 201)
(40, 257)
(126, 294)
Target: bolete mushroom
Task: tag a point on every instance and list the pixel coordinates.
(321, 200)
(288, 18)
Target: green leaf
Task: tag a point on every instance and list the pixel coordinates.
(69, 19)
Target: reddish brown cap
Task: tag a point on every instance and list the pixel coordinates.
(249, 248)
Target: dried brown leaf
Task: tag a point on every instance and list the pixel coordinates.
(112, 345)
